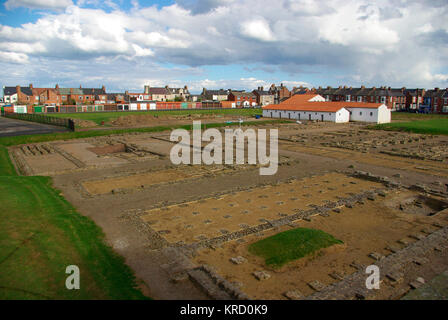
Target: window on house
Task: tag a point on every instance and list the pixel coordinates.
(359, 98)
(347, 98)
(371, 113)
(360, 113)
(80, 98)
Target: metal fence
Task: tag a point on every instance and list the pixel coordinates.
(40, 118)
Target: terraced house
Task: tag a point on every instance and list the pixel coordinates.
(215, 95)
(264, 97)
(393, 98)
(81, 95)
(435, 100)
(242, 98)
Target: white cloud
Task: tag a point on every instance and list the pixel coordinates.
(257, 29)
(358, 41)
(38, 4)
(13, 57)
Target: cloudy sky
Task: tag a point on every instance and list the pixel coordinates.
(242, 44)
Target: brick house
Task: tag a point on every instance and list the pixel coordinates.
(444, 108)
(414, 98)
(242, 98)
(18, 95)
(264, 98)
(46, 96)
(280, 93)
(215, 95)
(81, 95)
(159, 93)
(434, 100)
(393, 98)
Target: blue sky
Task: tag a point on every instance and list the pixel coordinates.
(239, 44)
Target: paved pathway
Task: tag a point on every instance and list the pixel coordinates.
(13, 127)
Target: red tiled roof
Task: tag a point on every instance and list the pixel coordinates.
(309, 106)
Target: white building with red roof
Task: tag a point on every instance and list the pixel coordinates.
(314, 107)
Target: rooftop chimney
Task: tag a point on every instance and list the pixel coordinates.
(363, 87)
(31, 86)
(57, 87)
(103, 88)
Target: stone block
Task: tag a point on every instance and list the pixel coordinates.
(238, 260)
(261, 275)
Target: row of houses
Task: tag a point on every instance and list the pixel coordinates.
(428, 101)
(72, 96)
(421, 100)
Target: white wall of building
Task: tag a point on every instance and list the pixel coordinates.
(341, 116)
(317, 98)
(378, 115)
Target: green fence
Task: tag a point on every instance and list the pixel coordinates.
(40, 118)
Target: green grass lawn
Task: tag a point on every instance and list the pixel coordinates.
(6, 167)
(41, 234)
(407, 116)
(433, 126)
(98, 117)
(291, 245)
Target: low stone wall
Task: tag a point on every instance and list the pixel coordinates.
(391, 267)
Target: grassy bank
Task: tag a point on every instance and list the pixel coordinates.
(106, 117)
(407, 116)
(6, 167)
(291, 245)
(41, 234)
(433, 126)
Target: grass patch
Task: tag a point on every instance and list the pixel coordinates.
(407, 116)
(106, 117)
(41, 234)
(6, 166)
(433, 126)
(291, 245)
(11, 141)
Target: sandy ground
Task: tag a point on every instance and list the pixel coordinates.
(364, 229)
(208, 218)
(189, 203)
